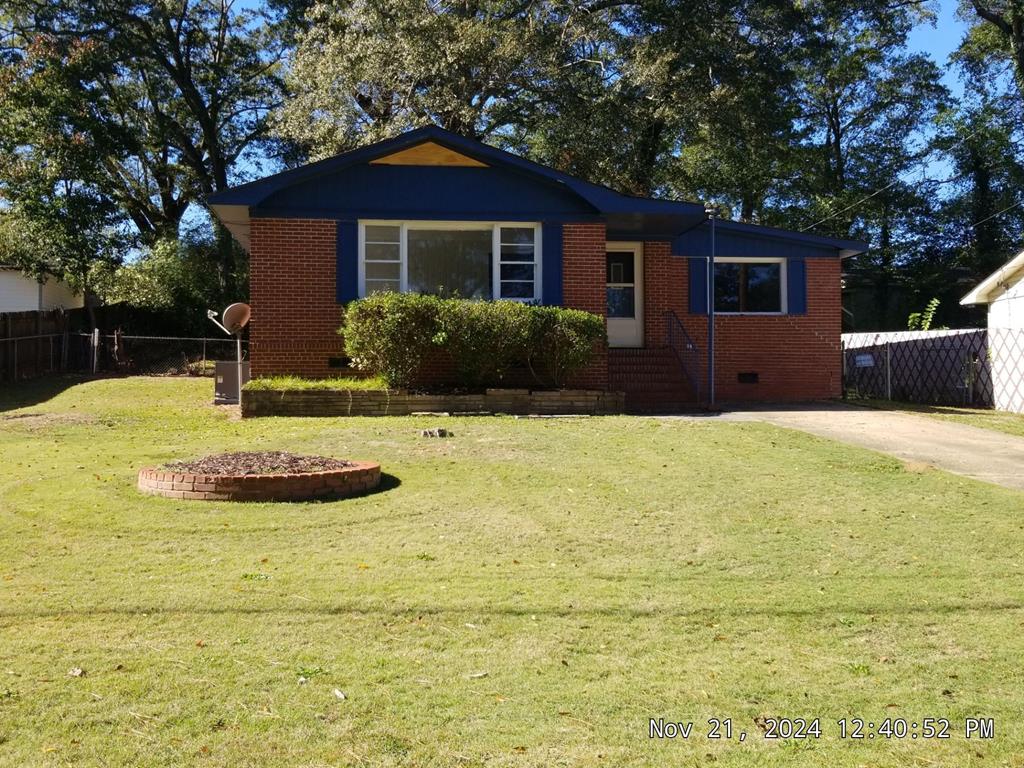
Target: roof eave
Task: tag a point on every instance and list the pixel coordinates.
(1011, 271)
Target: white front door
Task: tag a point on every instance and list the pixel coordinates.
(625, 288)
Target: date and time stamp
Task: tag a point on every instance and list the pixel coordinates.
(847, 728)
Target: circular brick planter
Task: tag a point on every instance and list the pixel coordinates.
(362, 476)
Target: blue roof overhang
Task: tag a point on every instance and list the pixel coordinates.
(626, 217)
(735, 238)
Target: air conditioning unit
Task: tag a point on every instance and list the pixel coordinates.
(225, 391)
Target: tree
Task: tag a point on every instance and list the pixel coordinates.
(1001, 32)
(180, 90)
(367, 69)
(55, 216)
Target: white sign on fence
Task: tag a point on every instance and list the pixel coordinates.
(865, 361)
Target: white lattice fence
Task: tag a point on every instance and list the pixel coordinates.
(937, 367)
(1006, 356)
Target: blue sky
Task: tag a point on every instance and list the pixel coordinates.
(941, 40)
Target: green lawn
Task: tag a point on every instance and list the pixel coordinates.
(528, 593)
(1000, 421)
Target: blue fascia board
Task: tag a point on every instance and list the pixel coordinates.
(419, 215)
(761, 231)
(602, 199)
(740, 239)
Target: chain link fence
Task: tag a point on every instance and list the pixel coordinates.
(930, 367)
(163, 355)
(30, 356)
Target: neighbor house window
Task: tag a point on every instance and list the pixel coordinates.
(750, 285)
(473, 260)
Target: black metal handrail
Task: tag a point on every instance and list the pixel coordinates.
(684, 348)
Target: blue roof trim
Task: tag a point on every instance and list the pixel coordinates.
(418, 215)
(633, 217)
(734, 238)
(603, 199)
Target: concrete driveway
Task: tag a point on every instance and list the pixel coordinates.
(979, 453)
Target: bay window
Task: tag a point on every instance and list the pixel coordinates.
(471, 260)
(753, 286)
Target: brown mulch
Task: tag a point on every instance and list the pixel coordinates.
(257, 463)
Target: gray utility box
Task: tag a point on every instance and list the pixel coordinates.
(225, 390)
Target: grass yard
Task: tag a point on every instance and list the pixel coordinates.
(528, 593)
(1000, 421)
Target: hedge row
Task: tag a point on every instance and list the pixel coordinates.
(391, 334)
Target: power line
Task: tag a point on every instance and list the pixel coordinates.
(997, 213)
(892, 183)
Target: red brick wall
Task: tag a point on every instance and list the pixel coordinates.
(665, 288)
(583, 287)
(295, 313)
(796, 357)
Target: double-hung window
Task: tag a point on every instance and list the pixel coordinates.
(471, 260)
(750, 286)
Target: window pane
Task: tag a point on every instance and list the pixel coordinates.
(517, 253)
(381, 286)
(727, 288)
(517, 272)
(383, 270)
(764, 288)
(379, 234)
(620, 267)
(376, 252)
(621, 302)
(517, 290)
(517, 235)
(450, 262)
(748, 287)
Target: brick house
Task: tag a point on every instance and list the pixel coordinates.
(433, 211)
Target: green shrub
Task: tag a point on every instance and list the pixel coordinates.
(485, 338)
(562, 342)
(390, 334)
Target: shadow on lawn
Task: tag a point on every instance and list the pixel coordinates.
(387, 483)
(530, 612)
(22, 394)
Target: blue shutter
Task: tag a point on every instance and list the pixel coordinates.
(698, 269)
(348, 261)
(551, 266)
(796, 286)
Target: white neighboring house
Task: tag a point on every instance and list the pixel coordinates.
(20, 293)
(1003, 292)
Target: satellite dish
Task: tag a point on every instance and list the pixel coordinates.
(236, 316)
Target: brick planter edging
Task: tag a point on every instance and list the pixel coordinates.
(362, 476)
(361, 402)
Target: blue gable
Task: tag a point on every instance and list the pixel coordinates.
(425, 192)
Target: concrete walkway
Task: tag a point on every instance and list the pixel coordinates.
(979, 453)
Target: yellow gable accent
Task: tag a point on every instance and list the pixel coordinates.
(428, 153)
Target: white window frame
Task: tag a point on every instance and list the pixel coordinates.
(783, 281)
(405, 225)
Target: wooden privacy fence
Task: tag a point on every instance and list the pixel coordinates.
(951, 367)
(33, 344)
